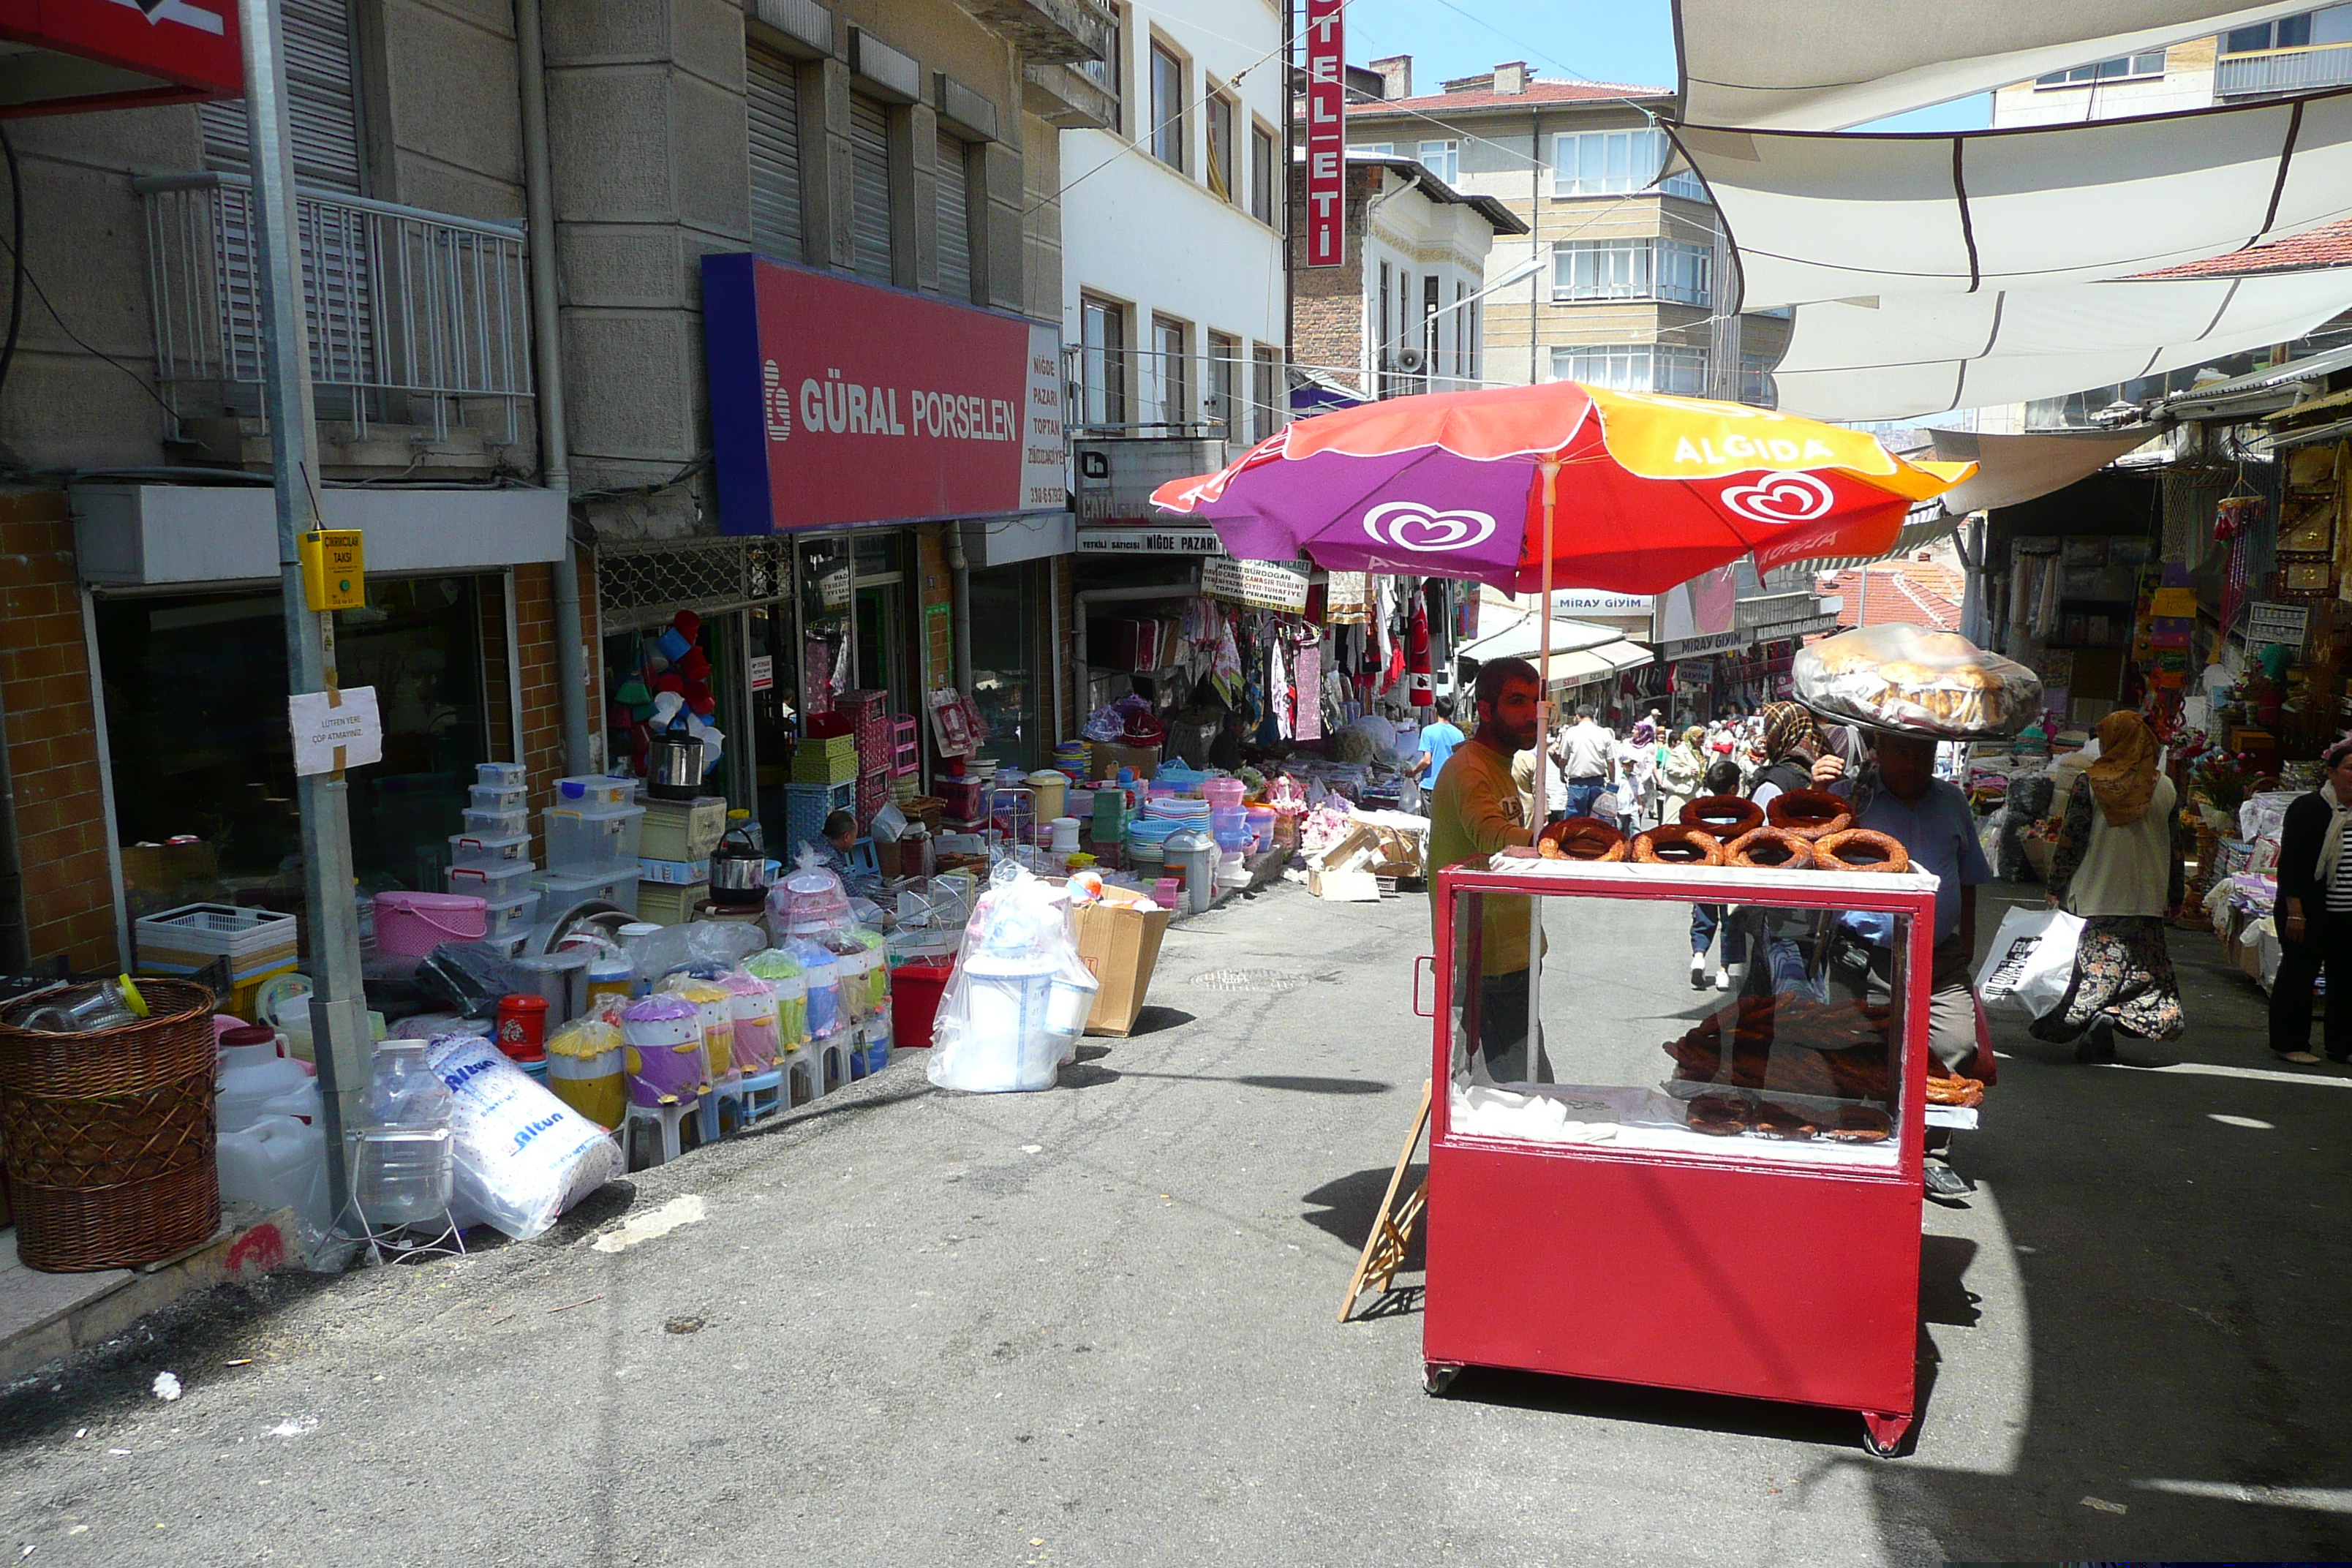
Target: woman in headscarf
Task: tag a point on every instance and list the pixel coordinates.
(1637, 774)
(2119, 866)
(1792, 744)
(2314, 913)
(1680, 774)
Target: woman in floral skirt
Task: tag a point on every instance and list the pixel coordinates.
(2119, 866)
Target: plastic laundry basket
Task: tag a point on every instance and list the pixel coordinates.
(410, 925)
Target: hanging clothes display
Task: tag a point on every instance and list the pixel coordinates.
(1420, 688)
(1306, 689)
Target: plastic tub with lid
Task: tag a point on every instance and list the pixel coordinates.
(591, 791)
(504, 776)
(410, 925)
(495, 884)
(498, 797)
(583, 837)
(499, 824)
(504, 849)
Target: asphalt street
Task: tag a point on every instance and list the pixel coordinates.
(1096, 1326)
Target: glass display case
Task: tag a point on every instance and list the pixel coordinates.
(1689, 1186)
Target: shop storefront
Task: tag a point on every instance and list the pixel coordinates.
(872, 446)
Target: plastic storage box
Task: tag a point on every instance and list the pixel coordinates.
(603, 838)
(466, 850)
(806, 805)
(561, 889)
(683, 829)
(506, 775)
(501, 883)
(500, 797)
(501, 824)
(589, 791)
(512, 918)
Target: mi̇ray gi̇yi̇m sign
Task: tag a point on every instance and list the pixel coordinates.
(836, 402)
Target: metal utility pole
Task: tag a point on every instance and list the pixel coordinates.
(338, 1006)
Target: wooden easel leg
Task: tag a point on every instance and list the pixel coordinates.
(1391, 1226)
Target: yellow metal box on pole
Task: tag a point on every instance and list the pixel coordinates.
(334, 576)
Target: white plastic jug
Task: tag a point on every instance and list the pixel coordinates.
(278, 1163)
(256, 1081)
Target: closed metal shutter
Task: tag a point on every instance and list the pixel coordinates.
(869, 145)
(322, 107)
(955, 220)
(774, 108)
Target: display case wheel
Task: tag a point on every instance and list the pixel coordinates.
(1884, 1435)
(1437, 1376)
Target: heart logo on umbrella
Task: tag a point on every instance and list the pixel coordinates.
(1412, 525)
(1782, 497)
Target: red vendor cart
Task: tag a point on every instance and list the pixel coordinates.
(1722, 1191)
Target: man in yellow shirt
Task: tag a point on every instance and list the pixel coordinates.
(1475, 812)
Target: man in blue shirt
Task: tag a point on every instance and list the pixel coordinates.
(1437, 742)
(1931, 818)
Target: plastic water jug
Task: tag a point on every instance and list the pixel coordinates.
(256, 1082)
(1192, 855)
(279, 1161)
(401, 1171)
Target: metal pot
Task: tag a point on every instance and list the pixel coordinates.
(739, 876)
(674, 766)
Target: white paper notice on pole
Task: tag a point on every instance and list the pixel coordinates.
(1260, 584)
(763, 671)
(334, 729)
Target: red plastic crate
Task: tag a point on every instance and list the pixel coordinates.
(872, 794)
(906, 748)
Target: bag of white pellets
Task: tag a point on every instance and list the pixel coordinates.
(522, 1156)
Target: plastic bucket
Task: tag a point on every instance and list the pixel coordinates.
(1221, 792)
(411, 925)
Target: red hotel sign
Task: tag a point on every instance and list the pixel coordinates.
(1327, 133)
(835, 401)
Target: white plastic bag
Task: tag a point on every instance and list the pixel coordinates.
(522, 1156)
(2032, 960)
(1012, 1012)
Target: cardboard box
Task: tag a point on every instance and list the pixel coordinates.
(1344, 887)
(1107, 758)
(1119, 944)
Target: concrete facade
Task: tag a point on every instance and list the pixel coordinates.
(1403, 226)
(1158, 240)
(1499, 133)
(647, 124)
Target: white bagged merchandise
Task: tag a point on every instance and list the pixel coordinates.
(522, 1155)
(2032, 960)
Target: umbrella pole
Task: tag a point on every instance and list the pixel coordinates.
(1549, 468)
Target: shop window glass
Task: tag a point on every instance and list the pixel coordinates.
(195, 706)
(1006, 603)
(826, 605)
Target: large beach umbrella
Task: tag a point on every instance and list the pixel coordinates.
(1559, 485)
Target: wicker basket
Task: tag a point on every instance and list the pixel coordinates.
(109, 1136)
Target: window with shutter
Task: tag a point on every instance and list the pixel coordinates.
(773, 104)
(869, 146)
(322, 106)
(955, 219)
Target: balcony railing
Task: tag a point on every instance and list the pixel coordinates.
(2282, 71)
(414, 316)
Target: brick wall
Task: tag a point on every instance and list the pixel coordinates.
(1326, 312)
(542, 709)
(52, 735)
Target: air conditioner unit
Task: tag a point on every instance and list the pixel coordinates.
(1411, 361)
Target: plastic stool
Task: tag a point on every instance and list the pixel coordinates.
(863, 858)
(803, 1076)
(668, 1118)
(832, 1055)
(753, 1095)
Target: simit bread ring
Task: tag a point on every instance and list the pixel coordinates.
(1677, 843)
(1809, 812)
(1718, 1115)
(1771, 849)
(1860, 850)
(1581, 838)
(1727, 816)
(1861, 1124)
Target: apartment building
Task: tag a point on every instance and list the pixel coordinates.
(1624, 271)
(1403, 314)
(1173, 213)
(459, 192)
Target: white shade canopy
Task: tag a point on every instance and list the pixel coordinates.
(1901, 355)
(1829, 217)
(2014, 468)
(1801, 65)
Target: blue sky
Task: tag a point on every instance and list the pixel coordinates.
(1630, 41)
